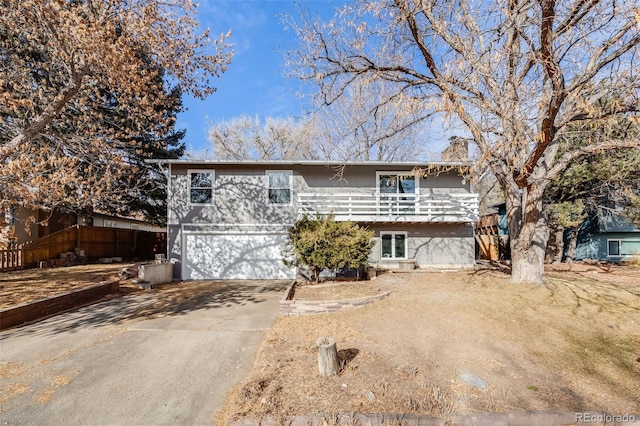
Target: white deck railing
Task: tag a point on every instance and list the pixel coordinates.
(373, 207)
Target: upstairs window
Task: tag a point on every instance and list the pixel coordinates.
(396, 183)
(279, 187)
(396, 193)
(201, 187)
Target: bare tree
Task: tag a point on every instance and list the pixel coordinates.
(81, 81)
(369, 122)
(514, 73)
(364, 124)
(248, 138)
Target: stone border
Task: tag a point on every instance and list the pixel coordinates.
(518, 418)
(292, 307)
(39, 309)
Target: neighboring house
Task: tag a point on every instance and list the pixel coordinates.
(503, 222)
(109, 221)
(229, 220)
(21, 225)
(608, 236)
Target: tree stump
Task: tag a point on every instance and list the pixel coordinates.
(328, 364)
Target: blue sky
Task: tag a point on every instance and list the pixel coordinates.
(254, 83)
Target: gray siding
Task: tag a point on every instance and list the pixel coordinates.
(240, 193)
(596, 246)
(239, 196)
(431, 244)
(174, 249)
(322, 178)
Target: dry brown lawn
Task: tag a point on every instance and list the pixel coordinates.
(18, 287)
(571, 345)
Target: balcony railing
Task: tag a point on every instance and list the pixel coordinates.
(372, 207)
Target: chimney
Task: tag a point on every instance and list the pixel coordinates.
(458, 150)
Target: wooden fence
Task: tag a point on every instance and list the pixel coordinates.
(487, 238)
(96, 242)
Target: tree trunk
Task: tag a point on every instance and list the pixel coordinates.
(559, 237)
(328, 364)
(528, 234)
(573, 244)
(527, 258)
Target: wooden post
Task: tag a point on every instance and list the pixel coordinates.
(327, 356)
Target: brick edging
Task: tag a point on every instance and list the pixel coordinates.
(42, 308)
(305, 307)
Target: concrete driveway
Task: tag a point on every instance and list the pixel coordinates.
(157, 357)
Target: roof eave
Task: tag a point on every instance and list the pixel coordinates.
(310, 163)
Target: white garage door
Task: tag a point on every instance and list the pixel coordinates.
(235, 257)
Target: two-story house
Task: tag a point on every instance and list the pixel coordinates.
(229, 220)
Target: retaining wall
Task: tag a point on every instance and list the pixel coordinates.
(31, 311)
(304, 307)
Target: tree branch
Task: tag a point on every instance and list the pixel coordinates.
(570, 156)
(47, 116)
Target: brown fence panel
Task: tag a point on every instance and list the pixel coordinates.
(488, 247)
(51, 246)
(487, 224)
(127, 243)
(100, 242)
(96, 242)
(487, 239)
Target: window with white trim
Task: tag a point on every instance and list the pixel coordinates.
(201, 187)
(393, 245)
(623, 247)
(396, 183)
(397, 193)
(279, 191)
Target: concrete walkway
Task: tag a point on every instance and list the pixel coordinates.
(150, 358)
